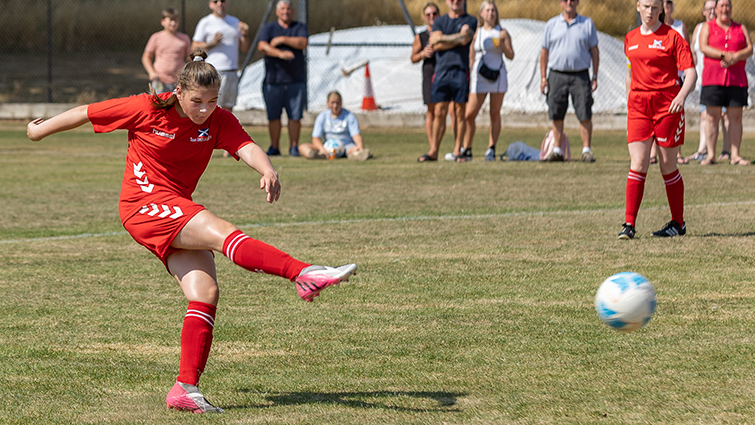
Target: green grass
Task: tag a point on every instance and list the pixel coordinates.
(473, 303)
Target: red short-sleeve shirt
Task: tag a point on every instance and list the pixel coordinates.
(656, 58)
(167, 154)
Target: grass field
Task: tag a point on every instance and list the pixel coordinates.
(473, 303)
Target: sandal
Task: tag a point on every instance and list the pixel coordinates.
(682, 160)
(464, 156)
(426, 158)
(725, 156)
(708, 161)
(740, 161)
(653, 160)
(697, 156)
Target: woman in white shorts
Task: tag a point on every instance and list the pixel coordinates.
(488, 75)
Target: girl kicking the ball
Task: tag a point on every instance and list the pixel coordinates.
(171, 138)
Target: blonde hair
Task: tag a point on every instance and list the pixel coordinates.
(431, 4)
(195, 74)
(482, 6)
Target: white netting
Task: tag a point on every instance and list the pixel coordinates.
(397, 83)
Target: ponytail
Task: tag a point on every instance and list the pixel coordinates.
(195, 74)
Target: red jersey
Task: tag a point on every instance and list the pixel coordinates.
(167, 154)
(656, 58)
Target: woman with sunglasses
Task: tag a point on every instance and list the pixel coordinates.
(655, 112)
(171, 138)
(423, 51)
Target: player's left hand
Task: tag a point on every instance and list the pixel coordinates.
(271, 185)
(677, 105)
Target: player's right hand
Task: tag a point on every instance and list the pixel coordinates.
(32, 130)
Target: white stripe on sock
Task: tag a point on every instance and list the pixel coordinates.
(204, 316)
(231, 250)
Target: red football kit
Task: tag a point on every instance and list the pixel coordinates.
(167, 155)
(655, 60)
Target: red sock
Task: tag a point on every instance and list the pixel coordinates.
(260, 257)
(196, 341)
(635, 190)
(675, 195)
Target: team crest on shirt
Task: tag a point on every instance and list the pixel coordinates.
(203, 135)
(657, 44)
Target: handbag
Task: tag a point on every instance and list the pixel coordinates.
(489, 74)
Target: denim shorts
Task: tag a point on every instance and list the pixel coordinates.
(289, 96)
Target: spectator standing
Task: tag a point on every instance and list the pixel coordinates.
(655, 112)
(283, 42)
(489, 44)
(678, 26)
(709, 12)
(726, 46)
(222, 36)
(423, 51)
(166, 53)
(570, 45)
(450, 39)
(336, 123)
(171, 140)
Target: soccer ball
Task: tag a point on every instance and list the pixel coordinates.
(334, 148)
(625, 301)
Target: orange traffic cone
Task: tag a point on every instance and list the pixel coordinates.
(368, 101)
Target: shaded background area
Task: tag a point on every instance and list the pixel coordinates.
(96, 45)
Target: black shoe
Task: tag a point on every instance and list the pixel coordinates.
(465, 155)
(671, 228)
(553, 157)
(271, 151)
(627, 232)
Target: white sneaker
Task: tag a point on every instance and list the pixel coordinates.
(314, 279)
(450, 156)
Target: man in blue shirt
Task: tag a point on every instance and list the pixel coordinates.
(283, 42)
(570, 44)
(450, 39)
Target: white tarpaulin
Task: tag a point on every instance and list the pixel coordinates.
(397, 83)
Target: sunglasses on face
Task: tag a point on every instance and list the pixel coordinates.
(218, 1)
(431, 14)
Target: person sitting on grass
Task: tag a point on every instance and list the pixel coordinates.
(336, 123)
(171, 138)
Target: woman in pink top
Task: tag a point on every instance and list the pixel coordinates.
(726, 46)
(166, 53)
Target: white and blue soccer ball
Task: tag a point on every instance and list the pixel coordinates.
(625, 301)
(335, 148)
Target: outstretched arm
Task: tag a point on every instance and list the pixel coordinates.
(72, 118)
(256, 158)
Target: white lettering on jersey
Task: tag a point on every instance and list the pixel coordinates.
(163, 134)
(630, 48)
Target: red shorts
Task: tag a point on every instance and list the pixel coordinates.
(647, 116)
(157, 224)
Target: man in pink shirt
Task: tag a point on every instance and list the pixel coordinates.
(166, 53)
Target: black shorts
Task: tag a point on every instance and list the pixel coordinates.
(451, 85)
(563, 84)
(734, 97)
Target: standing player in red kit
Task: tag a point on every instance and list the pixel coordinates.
(655, 111)
(171, 138)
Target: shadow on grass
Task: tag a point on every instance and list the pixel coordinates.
(729, 235)
(389, 400)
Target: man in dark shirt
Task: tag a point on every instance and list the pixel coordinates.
(450, 39)
(283, 42)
